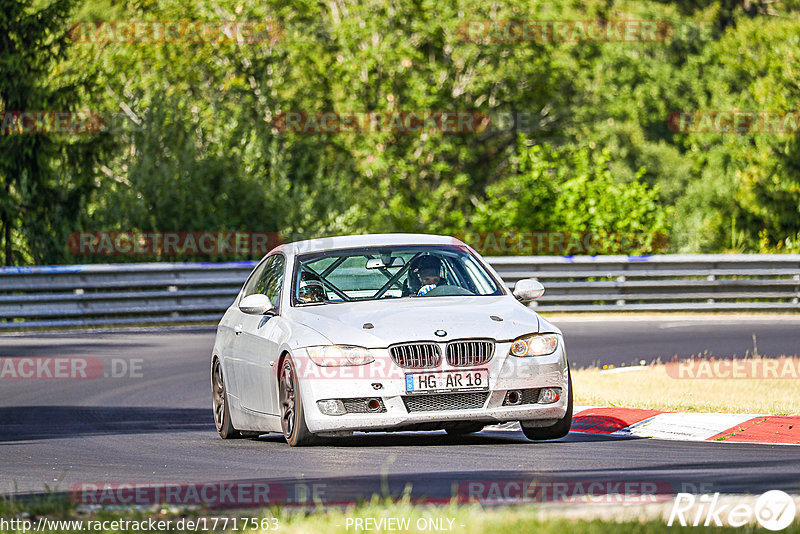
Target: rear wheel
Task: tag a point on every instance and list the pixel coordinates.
(222, 416)
(293, 420)
(559, 429)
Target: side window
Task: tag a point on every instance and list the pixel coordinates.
(271, 279)
(249, 289)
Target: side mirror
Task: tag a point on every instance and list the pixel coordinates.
(256, 304)
(528, 289)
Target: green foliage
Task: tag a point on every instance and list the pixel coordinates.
(44, 178)
(573, 192)
(193, 146)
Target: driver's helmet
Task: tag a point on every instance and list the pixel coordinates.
(311, 290)
(424, 265)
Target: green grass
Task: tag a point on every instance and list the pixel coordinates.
(50, 504)
(462, 519)
(473, 519)
(654, 388)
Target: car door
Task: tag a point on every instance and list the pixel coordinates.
(258, 344)
(229, 332)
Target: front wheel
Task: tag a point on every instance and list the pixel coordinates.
(293, 420)
(559, 429)
(222, 415)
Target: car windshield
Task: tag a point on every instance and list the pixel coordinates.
(390, 272)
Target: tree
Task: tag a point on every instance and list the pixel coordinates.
(573, 193)
(44, 176)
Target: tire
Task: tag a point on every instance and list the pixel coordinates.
(293, 419)
(219, 399)
(462, 429)
(559, 429)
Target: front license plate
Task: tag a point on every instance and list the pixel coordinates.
(447, 381)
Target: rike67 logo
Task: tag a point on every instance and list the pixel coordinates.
(774, 510)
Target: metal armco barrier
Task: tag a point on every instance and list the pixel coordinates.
(156, 293)
(691, 282)
(98, 295)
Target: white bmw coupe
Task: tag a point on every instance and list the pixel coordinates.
(385, 333)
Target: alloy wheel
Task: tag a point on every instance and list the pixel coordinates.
(288, 399)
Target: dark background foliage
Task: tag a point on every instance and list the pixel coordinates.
(189, 143)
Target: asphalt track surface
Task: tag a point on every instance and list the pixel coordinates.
(157, 428)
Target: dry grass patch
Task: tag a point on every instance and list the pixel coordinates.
(668, 388)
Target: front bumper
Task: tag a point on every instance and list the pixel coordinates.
(384, 380)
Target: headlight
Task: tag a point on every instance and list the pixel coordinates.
(534, 345)
(339, 355)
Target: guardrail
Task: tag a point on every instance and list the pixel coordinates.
(154, 293)
(692, 282)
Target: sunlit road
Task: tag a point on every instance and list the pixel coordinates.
(156, 426)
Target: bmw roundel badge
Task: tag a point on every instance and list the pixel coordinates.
(440, 333)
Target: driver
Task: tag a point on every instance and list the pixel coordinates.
(428, 273)
(311, 290)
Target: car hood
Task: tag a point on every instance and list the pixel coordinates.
(414, 319)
